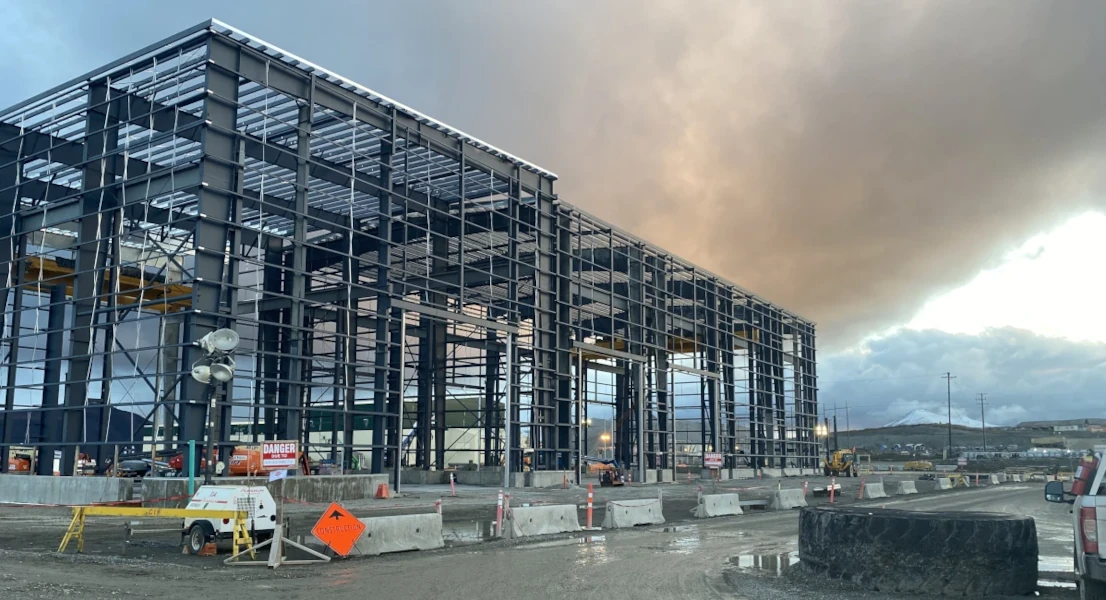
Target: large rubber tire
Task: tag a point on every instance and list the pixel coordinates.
(1092, 590)
(950, 554)
(199, 534)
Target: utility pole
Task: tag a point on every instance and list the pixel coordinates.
(983, 417)
(949, 377)
(848, 428)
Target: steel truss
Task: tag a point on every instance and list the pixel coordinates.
(375, 262)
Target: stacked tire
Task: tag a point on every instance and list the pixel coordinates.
(951, 553)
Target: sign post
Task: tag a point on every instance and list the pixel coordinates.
(712, 460)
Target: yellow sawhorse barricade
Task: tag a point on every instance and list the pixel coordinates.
(241, 537)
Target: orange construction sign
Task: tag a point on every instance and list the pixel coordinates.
(338, 529)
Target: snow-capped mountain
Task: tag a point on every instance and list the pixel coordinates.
(921, 416)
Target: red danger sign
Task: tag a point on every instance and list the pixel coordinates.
(279, 455)
(712, 460)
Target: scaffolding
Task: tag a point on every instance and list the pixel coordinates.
(403, 291)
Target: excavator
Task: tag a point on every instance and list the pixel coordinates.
(839, 464)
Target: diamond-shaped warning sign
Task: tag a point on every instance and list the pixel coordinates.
(338, 529)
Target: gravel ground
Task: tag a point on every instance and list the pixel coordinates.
(738, 557)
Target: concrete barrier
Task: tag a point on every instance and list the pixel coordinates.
(788, 499)
(717, 505)
(45, 489)
(1001, 477)
(994, 479)
(1017, 478)
(400, 533)
(526, 521)
(906, 488)
(873, 491)
(172, 492)
(629, 513)
(942, 483)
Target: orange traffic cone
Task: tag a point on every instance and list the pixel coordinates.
(382, 492)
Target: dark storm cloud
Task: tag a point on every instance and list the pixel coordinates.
(1025, 376)
(848, 160)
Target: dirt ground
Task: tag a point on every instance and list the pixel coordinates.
(750, 556)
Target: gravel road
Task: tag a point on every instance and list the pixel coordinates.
(739, 557)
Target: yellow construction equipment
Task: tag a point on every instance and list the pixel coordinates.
(839, 464)
(918, 465)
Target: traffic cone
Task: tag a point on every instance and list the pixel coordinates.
(382, 492)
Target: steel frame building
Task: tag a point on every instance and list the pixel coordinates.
(393, 281)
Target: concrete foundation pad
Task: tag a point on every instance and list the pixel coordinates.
(718, 505)
(664, 475)
(629, 513)
(548, 479)
(874, 491)
(906, 488)
(424, 477)
(744, 473)
(400, 533)
(788, 499)
(76, 491)
(528, 521)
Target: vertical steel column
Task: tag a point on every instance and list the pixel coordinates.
(636, 334)
(640, 367)
(381, 356)
(400, 343)
(269, 336)
(50, 425)
(11, 269)
(507, 421)
(212, 234)
(93, 231)
(659, 325)
(300, 336)
(492, 420)
(561, 302)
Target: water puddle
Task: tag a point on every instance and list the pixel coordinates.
(587, 539)
(771, 564)
(468, 532)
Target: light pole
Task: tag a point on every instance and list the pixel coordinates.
(214, 368)
(604, 438)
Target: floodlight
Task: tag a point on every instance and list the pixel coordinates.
(220, 341)
(221, 373)
(201, 373)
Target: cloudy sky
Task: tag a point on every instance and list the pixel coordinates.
(923, 179)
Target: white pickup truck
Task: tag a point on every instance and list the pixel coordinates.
(1088, 500)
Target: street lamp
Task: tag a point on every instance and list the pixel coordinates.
(604, 438)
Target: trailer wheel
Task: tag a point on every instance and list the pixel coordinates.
(199, 534)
